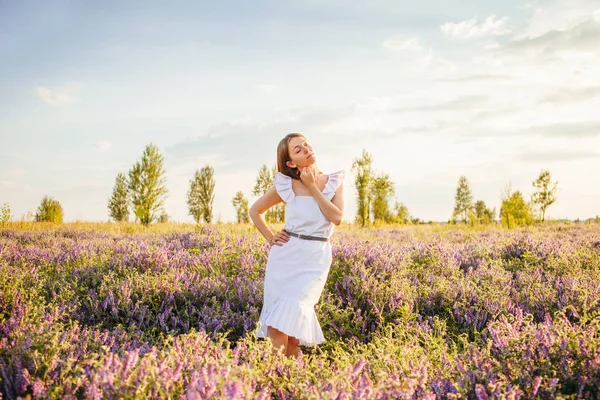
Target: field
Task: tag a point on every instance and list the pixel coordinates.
(108, 311)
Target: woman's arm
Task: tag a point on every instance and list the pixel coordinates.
(268, 200)
(334, 209)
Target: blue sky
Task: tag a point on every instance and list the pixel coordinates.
(494, 91)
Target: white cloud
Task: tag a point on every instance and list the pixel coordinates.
(412, 45)
(491, 26)
(267, 88)
(102, 145)
(581, 39)
(14, 186)
(560, 31)
(8, 184)
(547, 83)
(577, 129)
(491, 46)
(556, 156)
(66, 94)
(570, 95)
(558, 15)
(189, 168)
(419, 55)
(460, 104)
(476, 78)
(15, 173)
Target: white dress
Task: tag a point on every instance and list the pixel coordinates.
(296, 271)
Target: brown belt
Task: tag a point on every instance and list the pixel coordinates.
(307, 237)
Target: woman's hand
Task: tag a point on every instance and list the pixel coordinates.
(280, 238)
(308, 176)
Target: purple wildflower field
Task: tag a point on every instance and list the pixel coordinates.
(407, 313)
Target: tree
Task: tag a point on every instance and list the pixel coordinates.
(482, 213)
(463, 199)
(201, 195)
(514, 210)
(193, 198)
(49, 210)
(402, 214)
(240, 203)
(363, 182)
(118, 203)
(383, 191)
(545, 194)
(5, 215)
(278, 210)
(264, 182)
(164, 217)
(147, 185)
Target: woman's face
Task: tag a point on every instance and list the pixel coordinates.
(301, 153)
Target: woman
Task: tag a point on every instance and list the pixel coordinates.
(300, 254)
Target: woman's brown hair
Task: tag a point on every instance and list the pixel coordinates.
(283, 156)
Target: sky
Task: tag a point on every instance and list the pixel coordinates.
(495, 91)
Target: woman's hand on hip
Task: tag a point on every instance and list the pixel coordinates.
(280, 238)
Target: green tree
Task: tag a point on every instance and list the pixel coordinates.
(363, 182)
(201, 195)
(49, 210)
(164, 217)
(383, 191)
(264, 182)
(402, 214)
(545, 194)
(147, 185)
(514, 210)
(193, 198)
(240, 203)
(207, 192)
(482, 214)
(463, 199)
(279, 209)
(5, 215)
(118, 203)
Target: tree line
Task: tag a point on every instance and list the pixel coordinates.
(375, 191)
(140, 194)
(514, 209)
(49, 210)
